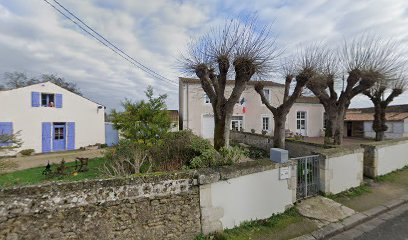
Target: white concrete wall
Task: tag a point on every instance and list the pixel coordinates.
(395, 130)
(341, 171)
(392, 157)
(255, 196)
(16, 107)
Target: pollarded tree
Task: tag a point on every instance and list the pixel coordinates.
(238, 49)
(366, 60)
(296, 72)
(377, 95)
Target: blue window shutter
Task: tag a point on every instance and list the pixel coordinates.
(35, 99)
(6, 128)
(46, 137)
(71, 136)
(58, 100)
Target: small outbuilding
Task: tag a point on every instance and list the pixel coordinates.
(359, 122)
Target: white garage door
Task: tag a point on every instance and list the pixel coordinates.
(207, 126)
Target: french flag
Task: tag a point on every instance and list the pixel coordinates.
(243, 104)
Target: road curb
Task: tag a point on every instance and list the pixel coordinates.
(353, 220)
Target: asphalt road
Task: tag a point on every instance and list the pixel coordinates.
(392, 225)
(395, 229)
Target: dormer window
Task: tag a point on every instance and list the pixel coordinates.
(47, 100)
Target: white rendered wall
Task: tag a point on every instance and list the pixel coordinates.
(250, 197)
(395, 129)
(392, 157)
(16, 107)
(340, 173)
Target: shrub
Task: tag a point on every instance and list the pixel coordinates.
(207, 159)
(252, 130)
(27, 152)
(177, 149)
(264, 132)
(256, 153)
(231, 155)
(212, 158)
(125, 159)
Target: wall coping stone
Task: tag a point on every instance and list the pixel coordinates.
(385, 143)
(72, 186)
(292, 140)
(197, 177)
(340, 151)
(206, 176)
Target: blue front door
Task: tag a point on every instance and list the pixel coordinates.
(59, 137)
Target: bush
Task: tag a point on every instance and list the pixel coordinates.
(177, 149)
(27, 152)
(231, 155)
(256, 153)
(252, 130)
(125, 159)
(212, 158)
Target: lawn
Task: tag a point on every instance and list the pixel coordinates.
(34, 175)
(287, 225)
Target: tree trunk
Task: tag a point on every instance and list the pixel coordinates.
(339, 126)
(219, 132)
(227, 130)
(379, 136)
(279, 131)
(335, 125)
(379, 125)
(331, 113)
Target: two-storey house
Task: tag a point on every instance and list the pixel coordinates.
(195, 111)
(50, 118)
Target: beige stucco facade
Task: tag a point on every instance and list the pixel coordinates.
(196, 112)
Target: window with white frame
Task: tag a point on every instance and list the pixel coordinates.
(206, 99)
(237, 123)
(265, 123)
(267, 94)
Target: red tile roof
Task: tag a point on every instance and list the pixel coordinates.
(355, 116)
(307, 99)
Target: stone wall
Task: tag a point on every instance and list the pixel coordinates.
(296, 148)
(156, 207)
(340, 169)
(384, 157)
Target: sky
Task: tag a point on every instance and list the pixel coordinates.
(36, 39)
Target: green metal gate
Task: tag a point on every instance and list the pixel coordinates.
(308, 181)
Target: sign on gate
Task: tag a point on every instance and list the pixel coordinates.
(308, 181)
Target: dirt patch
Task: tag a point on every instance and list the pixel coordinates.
(21, 163)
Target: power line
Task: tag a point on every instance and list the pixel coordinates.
(110, 45)
(114, 46)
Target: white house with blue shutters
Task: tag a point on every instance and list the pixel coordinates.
(51, 118)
